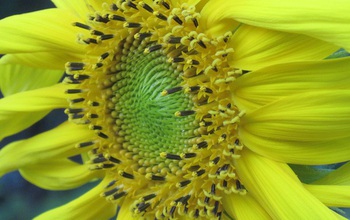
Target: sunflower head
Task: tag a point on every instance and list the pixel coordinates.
(159, 99)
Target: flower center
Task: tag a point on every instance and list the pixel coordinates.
(159, 98)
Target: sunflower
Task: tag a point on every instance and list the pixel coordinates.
(181, 109)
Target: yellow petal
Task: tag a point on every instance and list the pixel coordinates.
(265, 85)
(17, 78)
(331, 195)
(58, 174)
(277, 189)
(48, 60)
(76, 7)
(257, 47)
(21, 110)
(125, 211)
(244, 207)
(56, 143)
(340, 176)
(88, 206)
(40, 31)
(325, 20)
(307, 128)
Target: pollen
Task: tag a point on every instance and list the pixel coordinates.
(158, 96)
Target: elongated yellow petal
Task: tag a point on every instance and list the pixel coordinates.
(276, 188)
(307, 128)
(17, 78)
(331, 195)
(39, 148)
(263, 86)
(244, 207)
(77, 7)
(88, 206)
(21, 110)
(125, 212)
(58, 174)
(257, 47)
(325, 20)
(49, 60)
(40, 31)
(340, 176)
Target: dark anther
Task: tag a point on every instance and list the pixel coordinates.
(107, 165)
(173, 90)
(200, 172)
(77, 116)
(126, 175)
(154, 48)
(117, 18)
(90, 40)
(173, 157)
(194, 88)
(97, 33)
(111, 183)
(186, 112)
(73, 66)
(174, 40)
(94, 104)
(207, 123)
(219, 214)
(172, 210)
(93, 116)
(215, 160)
(142, 36)
(157, 178)
(106, 36)
(195, 22)
(216, 208)
(238, 184)
(184, 183)
(178, 59)
(98, 65)
(114, 160)
(147, 7)
(77, 100)
(224, 136)
(99, 160)
(202, 144)
(194, 62)
(81, 77)
(103, 19)
(86, 144)
(143, 206)
(132, 5)
(183, 200)
(104, 56)
(201, 43)
(189, 155)
(96, 127)
(207, 90)
(161, 16)
(81, 25)
(196, 213)
(102, 135)
(177, 19)
(229, 105)
(114, 7)
(74, 110)
(206, 200)
(237, 142)
(245, 71)
(132, 25)
(166, 5)
(111, 192)
(215, 69)
(119, 195)
(148, 197)
(224, 183)
(223, 168)
(212, 189)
